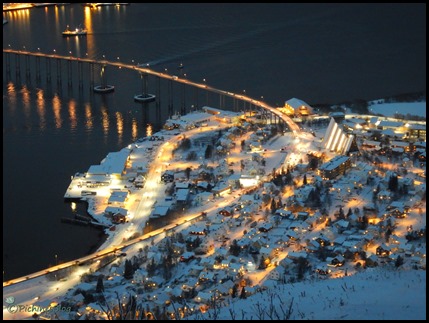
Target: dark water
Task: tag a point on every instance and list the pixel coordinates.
(317, 53)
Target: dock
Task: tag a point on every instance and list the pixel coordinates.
(75, 221)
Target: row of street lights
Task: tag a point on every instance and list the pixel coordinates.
(165, 69)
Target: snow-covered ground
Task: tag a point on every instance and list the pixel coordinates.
(389, 109)
(375, 294)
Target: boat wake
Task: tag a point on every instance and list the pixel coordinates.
(215, 45)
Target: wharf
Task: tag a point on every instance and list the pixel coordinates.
(74, 191)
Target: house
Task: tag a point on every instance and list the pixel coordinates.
(167, 176)
(182, 196)
(385, 195)
(342, 225)
(118, 198)
(203, 297)
(372, 261)
(284, 213)
(160, 211)
(296, 255)
(227, 211)
(266, 252)
(322, 269)
(221, 188)
(336, 261)
(313, 246)
(277, 273)
(118, 214)
(186, 256)
(140, 275)
(195, 270)
(225, 288)
(265, 227)
(383, 250)
(206, 277)
(202, 198)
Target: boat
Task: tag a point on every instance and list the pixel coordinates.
(78, 31)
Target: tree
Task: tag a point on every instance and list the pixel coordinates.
(234, 291)
(304, 181)
(388, 233)
(393, 183)
(243, 144)
(313, 163)
(151, 268)
(209, 152)
(262, 264)
(363, 222)
(349, 213)
(302, 267)
(100, 285)
(273, 206)
(234, 249)
(279, 202)
(399, 261)
(185, 144)
(128, 270)
(188, 172)
(341, 213)
(243, 294)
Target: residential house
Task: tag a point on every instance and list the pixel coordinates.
(383, 250)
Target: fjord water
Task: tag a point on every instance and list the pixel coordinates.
(319, 53)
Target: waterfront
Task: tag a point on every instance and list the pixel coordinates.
(49, 135)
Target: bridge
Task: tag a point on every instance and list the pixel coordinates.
(144, 71)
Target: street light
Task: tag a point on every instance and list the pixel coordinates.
(244, 102)
(56, 260)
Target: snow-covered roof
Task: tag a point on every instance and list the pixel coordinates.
(114, 163)
(296, 103)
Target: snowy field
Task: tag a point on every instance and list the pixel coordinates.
(389, 109)
(375, 294)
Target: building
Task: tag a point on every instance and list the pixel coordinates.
(338, 116)
(296, 107)
(417, 132)
(334, 167)
(337, 140)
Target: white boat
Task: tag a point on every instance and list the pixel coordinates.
(78, 31)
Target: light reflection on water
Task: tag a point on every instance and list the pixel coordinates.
(41, 111)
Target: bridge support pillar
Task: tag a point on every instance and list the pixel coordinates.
(38, 68)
